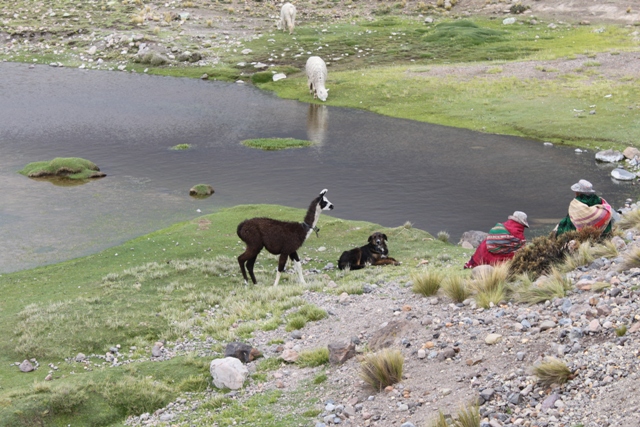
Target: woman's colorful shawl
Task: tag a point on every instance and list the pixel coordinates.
(501, 241)
(586, 210)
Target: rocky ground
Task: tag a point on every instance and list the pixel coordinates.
(455, 354)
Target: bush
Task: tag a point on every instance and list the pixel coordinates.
(382, 369)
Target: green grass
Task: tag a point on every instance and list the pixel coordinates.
(313, 358)
(73, 168)
(181, 147)
(275, 144)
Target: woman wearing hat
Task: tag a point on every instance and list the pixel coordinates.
(586, 209)
(502, 242)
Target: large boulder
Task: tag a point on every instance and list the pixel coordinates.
(623, 175)
(609, 156)
(473, 237)
(228, 373)
(631, 152)
(340, 352)
(243, 352)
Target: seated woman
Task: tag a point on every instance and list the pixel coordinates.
(586, 209)
(502, 242)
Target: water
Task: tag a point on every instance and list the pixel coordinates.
(376, 168)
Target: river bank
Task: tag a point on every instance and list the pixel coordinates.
(539, 77)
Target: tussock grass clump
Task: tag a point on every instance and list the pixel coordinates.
(439, 421)
(545, 251)
(621, 330)
(382, 369)
(582, 255)
(181, 147)
(65, 167)
(313, 358)
(490, 287)
(455, 287)
(427, 283)
(443, 236)
(552, 371)
(607, 250)
(630, 220)
(556, 285)
(631, 259)
(274, 144)
(468, 417)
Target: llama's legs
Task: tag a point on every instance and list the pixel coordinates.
(282, 261)
(250, 263)
(297, 266)
(250, 258)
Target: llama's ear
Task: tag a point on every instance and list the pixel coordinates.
(323, 192)
(384, 236)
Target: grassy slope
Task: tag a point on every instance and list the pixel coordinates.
(532, 108)
(177, 283)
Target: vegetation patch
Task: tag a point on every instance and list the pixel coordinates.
(274, 144)
(181, 147)
(201, 191)
(73, 168)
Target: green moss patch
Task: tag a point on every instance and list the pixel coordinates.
(271, 144)
(181, 147)
(201, 191)
(63, 167)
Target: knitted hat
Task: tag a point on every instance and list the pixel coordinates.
(520, 217)
(583, 186)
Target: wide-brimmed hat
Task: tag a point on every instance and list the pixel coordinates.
(583, 186)
(520, 217)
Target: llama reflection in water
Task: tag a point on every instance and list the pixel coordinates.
(317, 123)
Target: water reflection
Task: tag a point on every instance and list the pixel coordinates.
(317, 119)
(377, 169)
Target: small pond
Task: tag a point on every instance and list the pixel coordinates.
(376, 168)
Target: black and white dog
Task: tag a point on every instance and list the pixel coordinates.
(374, 253)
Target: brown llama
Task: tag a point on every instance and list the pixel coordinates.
(279, 237)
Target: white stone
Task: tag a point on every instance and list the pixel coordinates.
(609, 156)
(228, 372)
(493, 339)
(509, 21)
(623, 175)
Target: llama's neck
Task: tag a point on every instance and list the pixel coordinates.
(311, 218)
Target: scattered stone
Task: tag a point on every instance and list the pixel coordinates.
(26, 366)
(341, 352)
(289, 355)
(492, 339)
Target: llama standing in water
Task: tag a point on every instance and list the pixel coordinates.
(279, 237)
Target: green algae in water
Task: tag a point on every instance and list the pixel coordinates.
(272, 144)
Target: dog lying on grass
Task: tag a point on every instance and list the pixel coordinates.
(374, 253)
